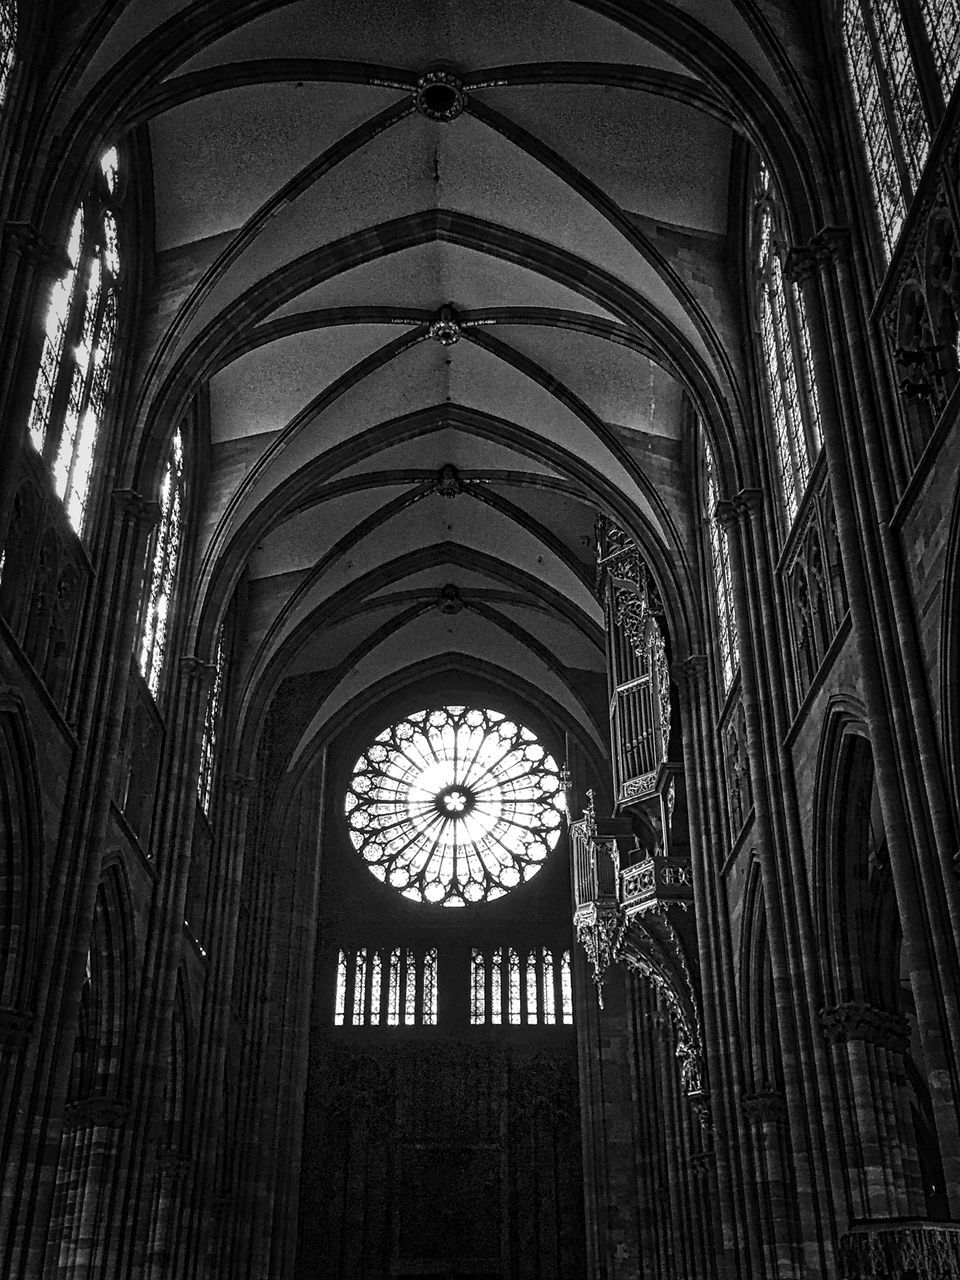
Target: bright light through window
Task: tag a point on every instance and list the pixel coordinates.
(455, 805)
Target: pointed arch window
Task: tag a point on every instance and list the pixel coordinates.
(785, 343)
(163, 568)
(73, 381)
(211, 728)
(903, 58)
(8, 45)
(722, 580)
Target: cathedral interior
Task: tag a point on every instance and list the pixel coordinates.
(479, 639)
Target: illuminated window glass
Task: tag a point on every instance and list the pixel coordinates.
(8, 44)
(163, 570)
(785, 342)
(722, 580)
(340, 1008)
(889, 106)
(455, 805)
(538, 984)
(393, 987)
(211, 725)
(76, 362)
(942, 21)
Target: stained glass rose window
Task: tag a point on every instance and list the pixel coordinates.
(455, 805)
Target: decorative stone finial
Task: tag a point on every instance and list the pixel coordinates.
(440, 94)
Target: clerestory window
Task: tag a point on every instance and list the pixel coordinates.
(903, 58)
(785, 344)
(720, 564)
(211, 729)
(155, 618)
(76, 363)
(389, 987)
(520, 987)
(8, 45)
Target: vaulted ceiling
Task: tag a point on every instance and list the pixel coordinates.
(433, 350)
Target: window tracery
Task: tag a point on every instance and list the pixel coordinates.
(73, 380)
(785, 343)
(454, 805)
(390, 987)
(889, 95)
(8, 45)
(722, 580)
(510, 987)
(166, 552)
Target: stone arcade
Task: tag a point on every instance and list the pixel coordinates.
(479, 639)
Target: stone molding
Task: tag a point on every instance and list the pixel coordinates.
(766, 1106)
(23, 238)
(16, 1027)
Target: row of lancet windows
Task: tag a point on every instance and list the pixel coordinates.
(517, 988)
(386, 987)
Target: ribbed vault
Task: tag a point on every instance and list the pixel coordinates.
(431, 351)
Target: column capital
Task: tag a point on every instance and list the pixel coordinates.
(195, 668)
(134, 506)
(690, 671)
(240, 785)
(725, 510)
(749, 501)
(829, 245)
(766, 1106)
(856, 1020)
(24, 239)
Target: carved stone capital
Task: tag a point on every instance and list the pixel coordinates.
(691, 671)
(239, 785)
(749, 501)
(133, 506)
(195, 669)
(800, 264)
(726, 512)
(854, 1020)
(16, 1026)
(24, 239)
(96, 1112)
(174, 1164)
(766, 1106)
(700, 1102)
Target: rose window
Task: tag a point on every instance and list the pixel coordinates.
(455, 805)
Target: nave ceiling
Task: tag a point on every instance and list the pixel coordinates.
(401, 483)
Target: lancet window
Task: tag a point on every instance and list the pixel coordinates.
(904, 60)
(722, 580)
(8, 45)
(76, 363)
(163, 568)
(388, 987)
(785, 343)
(520, 988)
(211, 728)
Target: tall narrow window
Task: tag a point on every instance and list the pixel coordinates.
(430, 988)
(890, 108)
(8, 45)
(533, 995)
(785, 342)
(942, 21)
(211, 726)
(70, 394)
(166, 552)
(722, 581)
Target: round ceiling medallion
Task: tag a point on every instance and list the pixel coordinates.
(455, 805)
(440, 95)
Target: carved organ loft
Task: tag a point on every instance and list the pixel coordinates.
(479, 639)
